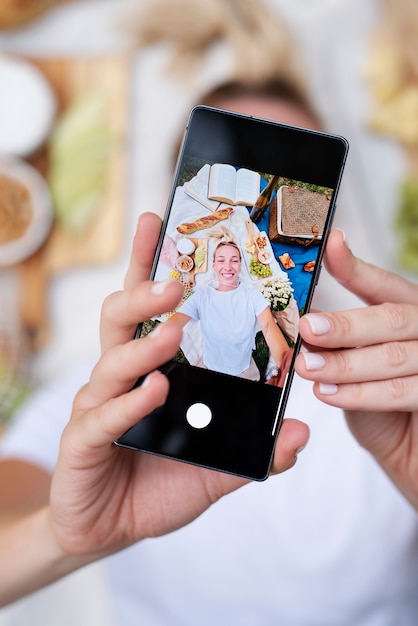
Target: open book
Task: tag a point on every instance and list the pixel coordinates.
(198, 188)
(223, 183)
(226, 184)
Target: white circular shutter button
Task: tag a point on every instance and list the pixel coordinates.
(199, 415)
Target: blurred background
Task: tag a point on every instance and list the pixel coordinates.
(93, 94)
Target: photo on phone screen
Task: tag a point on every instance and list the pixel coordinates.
(237, 263)
(244, 231)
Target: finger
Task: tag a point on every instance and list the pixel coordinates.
(360, 327)
(143, 249)
(124, 310)
(120, 366)
(396, 394)
(293, 437)
(379, 362)
(371, 283)
(105, 423)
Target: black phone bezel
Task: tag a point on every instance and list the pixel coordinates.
(231, 442)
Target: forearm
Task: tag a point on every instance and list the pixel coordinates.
(30, 556)
(277, 345)
(274, 337)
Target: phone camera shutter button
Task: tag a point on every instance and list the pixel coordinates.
(199, 415)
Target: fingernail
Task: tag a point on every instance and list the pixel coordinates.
(146, 380)
(319, 325)
(300, 449)
(158, 288)
(155, 331)
(313, 361)
(345, 240)
(328, 389)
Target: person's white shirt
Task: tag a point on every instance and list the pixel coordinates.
(228, 322)
(330, 542)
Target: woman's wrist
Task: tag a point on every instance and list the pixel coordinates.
(271, 372)
(31, 556)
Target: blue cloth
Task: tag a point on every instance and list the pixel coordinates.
(300, 278)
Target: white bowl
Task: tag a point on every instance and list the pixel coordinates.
(27, 107)
(33, 237)
(184, 263)
(185, 246)
(265, 256)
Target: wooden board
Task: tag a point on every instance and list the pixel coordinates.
(191, 276)
(71, 78)
(254, 235)
(101, 242)
(200, 243)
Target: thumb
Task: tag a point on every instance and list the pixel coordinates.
(372, 284)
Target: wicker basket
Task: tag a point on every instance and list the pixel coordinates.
(298, 216)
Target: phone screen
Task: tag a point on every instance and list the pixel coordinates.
(244, 233)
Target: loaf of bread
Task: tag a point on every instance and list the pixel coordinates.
(205, 222)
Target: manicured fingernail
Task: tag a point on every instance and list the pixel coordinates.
(345, 240)
(328, 389)
(158, 288)
(146, 380)
(313, 361)
(319, 325)
(155, 331)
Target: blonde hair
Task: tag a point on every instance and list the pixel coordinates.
(224, 237)
(258, 41)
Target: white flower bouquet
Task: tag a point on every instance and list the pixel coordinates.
(278, 292)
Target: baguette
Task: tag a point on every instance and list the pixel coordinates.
(205, 221)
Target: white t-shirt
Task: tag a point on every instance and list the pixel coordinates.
(329, 543)
(228, 322)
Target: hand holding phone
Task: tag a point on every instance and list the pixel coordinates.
(247, 219)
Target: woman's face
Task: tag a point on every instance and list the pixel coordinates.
(227, 265)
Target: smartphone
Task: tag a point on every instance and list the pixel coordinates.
(244, 232)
